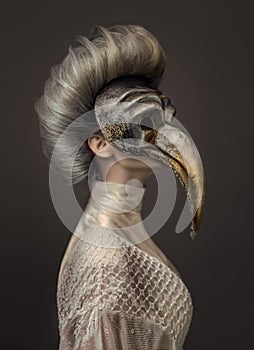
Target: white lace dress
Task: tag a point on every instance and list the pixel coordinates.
(117, 296)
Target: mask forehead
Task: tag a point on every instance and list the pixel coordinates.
(123, 116)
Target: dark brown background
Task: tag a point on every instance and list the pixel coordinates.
(209, 47)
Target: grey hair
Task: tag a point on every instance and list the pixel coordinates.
(71, 90)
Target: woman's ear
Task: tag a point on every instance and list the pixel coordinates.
(100, 146)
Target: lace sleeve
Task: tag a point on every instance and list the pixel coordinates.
(121, 299)
(108, 330)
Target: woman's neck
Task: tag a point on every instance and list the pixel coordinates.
(115, 204)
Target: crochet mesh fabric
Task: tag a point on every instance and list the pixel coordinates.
(119, 298)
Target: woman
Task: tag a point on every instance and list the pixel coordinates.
(116, 289)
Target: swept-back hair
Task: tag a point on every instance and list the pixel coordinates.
(105, 54)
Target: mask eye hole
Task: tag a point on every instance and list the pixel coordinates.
(146, 123)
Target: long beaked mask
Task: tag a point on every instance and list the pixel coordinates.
(138, 119)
